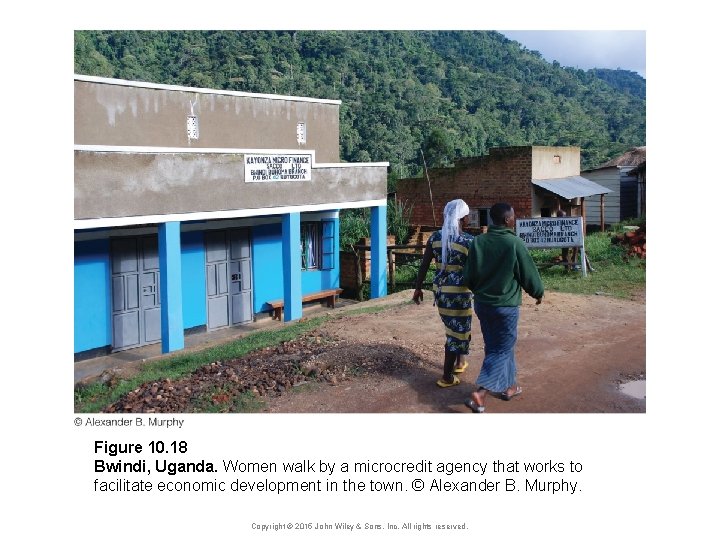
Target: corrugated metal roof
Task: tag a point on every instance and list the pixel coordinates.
(572, 186)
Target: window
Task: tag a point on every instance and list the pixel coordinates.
(309, 243)
(317, 244)
(479, 217)
(474, 217)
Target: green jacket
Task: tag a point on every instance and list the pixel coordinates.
(498, 266)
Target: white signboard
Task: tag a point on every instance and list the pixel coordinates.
(277, 167)
(550, 232)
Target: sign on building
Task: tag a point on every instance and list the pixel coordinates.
(557, 232)
(277, 167)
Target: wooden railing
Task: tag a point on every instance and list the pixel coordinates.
(397, 255)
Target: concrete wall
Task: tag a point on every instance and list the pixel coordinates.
(555, 162)
(123, 113)
(194, 294)
(267, 265)
(120, 184)
(92, 295)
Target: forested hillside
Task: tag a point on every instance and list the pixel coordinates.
(623, 80)
(450, 93)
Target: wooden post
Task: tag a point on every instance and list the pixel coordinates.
(602, 212)
(432, 205)
(358, 276)
(391, 269)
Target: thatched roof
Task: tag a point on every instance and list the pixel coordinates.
(631, 158)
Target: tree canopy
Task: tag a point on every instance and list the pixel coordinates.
(450, 94)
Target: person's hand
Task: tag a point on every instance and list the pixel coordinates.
(418, 296)
(538, 301)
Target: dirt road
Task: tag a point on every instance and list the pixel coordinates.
(573, 352)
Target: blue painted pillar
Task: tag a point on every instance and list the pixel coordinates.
(336, 261)
(171, 316)
(378, 251)
(292, 284)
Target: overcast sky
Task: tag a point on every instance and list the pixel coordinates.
(624, 49)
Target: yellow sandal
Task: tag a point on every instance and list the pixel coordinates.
(444, 384)
(462, 368)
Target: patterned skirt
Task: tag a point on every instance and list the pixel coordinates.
(455, 307)
(499, 330)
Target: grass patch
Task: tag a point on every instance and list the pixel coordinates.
(612, 275)
(356, 371)
(406, 275)
(247, 402)
(96, 396)
(362, 311)
(305, 388)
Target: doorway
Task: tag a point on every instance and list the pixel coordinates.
(135, 292)
(228, 272)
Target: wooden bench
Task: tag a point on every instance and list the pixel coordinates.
(328, 295)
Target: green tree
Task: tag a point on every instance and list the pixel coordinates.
(439, 148)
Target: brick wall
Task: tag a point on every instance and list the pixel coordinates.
(504, 175)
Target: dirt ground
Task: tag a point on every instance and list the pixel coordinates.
(573, 353)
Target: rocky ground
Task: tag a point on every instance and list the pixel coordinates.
(318, 358)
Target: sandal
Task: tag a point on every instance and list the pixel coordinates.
(474, 407)
(442, 383)
(507, 397)
(461, 368)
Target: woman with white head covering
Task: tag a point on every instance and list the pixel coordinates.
(449, 248)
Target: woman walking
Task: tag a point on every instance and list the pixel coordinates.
(498, 269)
(449, 248)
